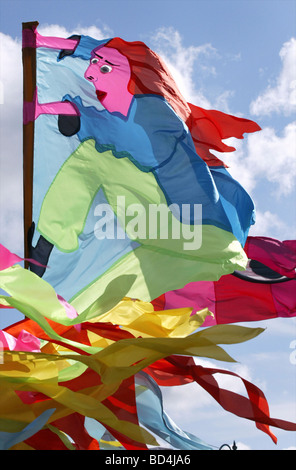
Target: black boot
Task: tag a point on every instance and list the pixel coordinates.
(40, 252)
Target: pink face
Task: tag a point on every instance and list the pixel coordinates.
(110, 73)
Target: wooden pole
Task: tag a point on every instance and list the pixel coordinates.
(29, 87)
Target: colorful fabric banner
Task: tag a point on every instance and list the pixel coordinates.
(124, 202)
(265, 290)
(121, 142)
(86, 366)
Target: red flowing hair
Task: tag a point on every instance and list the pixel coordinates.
(208, 128)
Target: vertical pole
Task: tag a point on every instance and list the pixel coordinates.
(29, 87)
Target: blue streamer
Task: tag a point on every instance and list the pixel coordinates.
(152, 415)
(9, 439)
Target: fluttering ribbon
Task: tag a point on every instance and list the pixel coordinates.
(8, 259)
(180, 370)
(9, 439)
(153, 416)
(106, 366)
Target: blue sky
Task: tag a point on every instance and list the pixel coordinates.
(233, 55)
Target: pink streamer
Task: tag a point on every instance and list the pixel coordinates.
(70, 310)
(8, 259)
(24, 342)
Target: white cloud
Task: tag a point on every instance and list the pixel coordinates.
(281, 96)
(274, 157)
(184, 61)
(62, 32)
(267, 223)
(242, 446)
(270, 155)
(282, 327)
(11, 191)
(267, 155)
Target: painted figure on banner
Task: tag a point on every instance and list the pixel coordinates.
(140, 142)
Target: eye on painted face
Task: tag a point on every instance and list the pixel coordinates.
(110, 72)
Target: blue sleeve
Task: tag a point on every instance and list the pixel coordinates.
(162, 126)
(148, 136)
(86, 45)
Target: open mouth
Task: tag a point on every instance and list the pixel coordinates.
(100, 95)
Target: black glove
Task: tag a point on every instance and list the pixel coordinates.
(40, 252)
(68, 125)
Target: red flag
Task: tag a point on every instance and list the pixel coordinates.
(265, 290)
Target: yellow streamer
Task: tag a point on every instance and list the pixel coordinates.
(140, 319)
